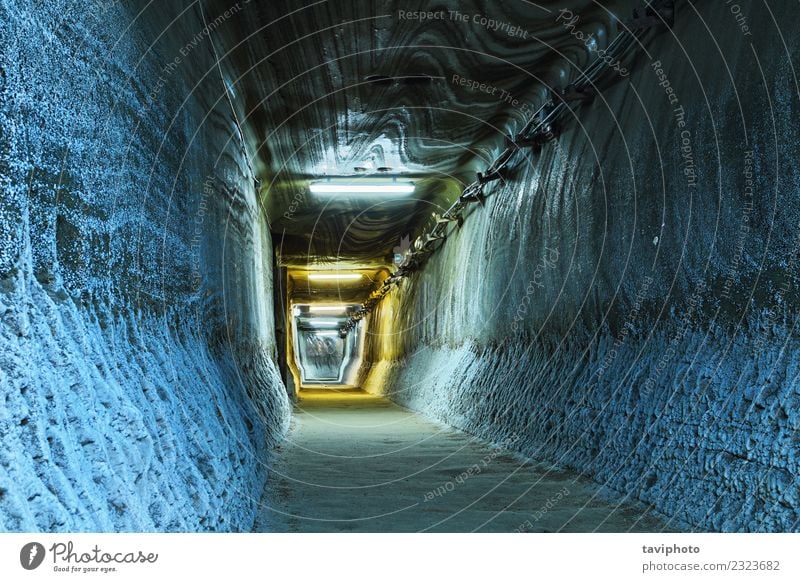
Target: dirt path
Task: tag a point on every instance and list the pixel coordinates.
(356, 462)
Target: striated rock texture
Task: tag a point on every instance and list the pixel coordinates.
(133, 346)
(626, 301)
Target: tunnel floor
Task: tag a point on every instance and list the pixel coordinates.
(354, 462)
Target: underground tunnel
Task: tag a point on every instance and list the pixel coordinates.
(399, 267)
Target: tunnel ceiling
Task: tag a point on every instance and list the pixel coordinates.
(331, 86)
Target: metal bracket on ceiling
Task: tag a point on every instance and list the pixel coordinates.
(546, 129)
(657, 13)
(478, 197)
(432, 238)
(473, 192)
(487, 177)
(439, 230)
(439, 219)
(454, 212)
(539, 138)
(572, 92)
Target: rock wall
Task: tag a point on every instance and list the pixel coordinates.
(625, 302)
(137, 375)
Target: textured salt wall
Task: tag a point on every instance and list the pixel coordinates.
(135, 277)
(622, 321)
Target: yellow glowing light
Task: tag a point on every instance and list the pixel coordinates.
(334, 276)
(324, 322)
(327, 308)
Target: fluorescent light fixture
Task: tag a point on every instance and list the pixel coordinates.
(322, 323)
(334, 276)
(296, 311)
(327, 308)
(362, 189)
(327, 333)
(362, 186)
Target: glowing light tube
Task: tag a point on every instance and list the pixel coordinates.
(353, 187)
(334, 276)
(327, 308)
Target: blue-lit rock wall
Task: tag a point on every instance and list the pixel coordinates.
(135, 271)
(626, 302)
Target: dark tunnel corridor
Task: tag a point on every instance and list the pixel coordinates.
(284, 266)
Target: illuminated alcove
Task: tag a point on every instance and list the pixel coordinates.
(322, 354)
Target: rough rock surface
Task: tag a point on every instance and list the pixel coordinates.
(132, 349)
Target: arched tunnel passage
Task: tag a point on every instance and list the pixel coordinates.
(287, 266)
